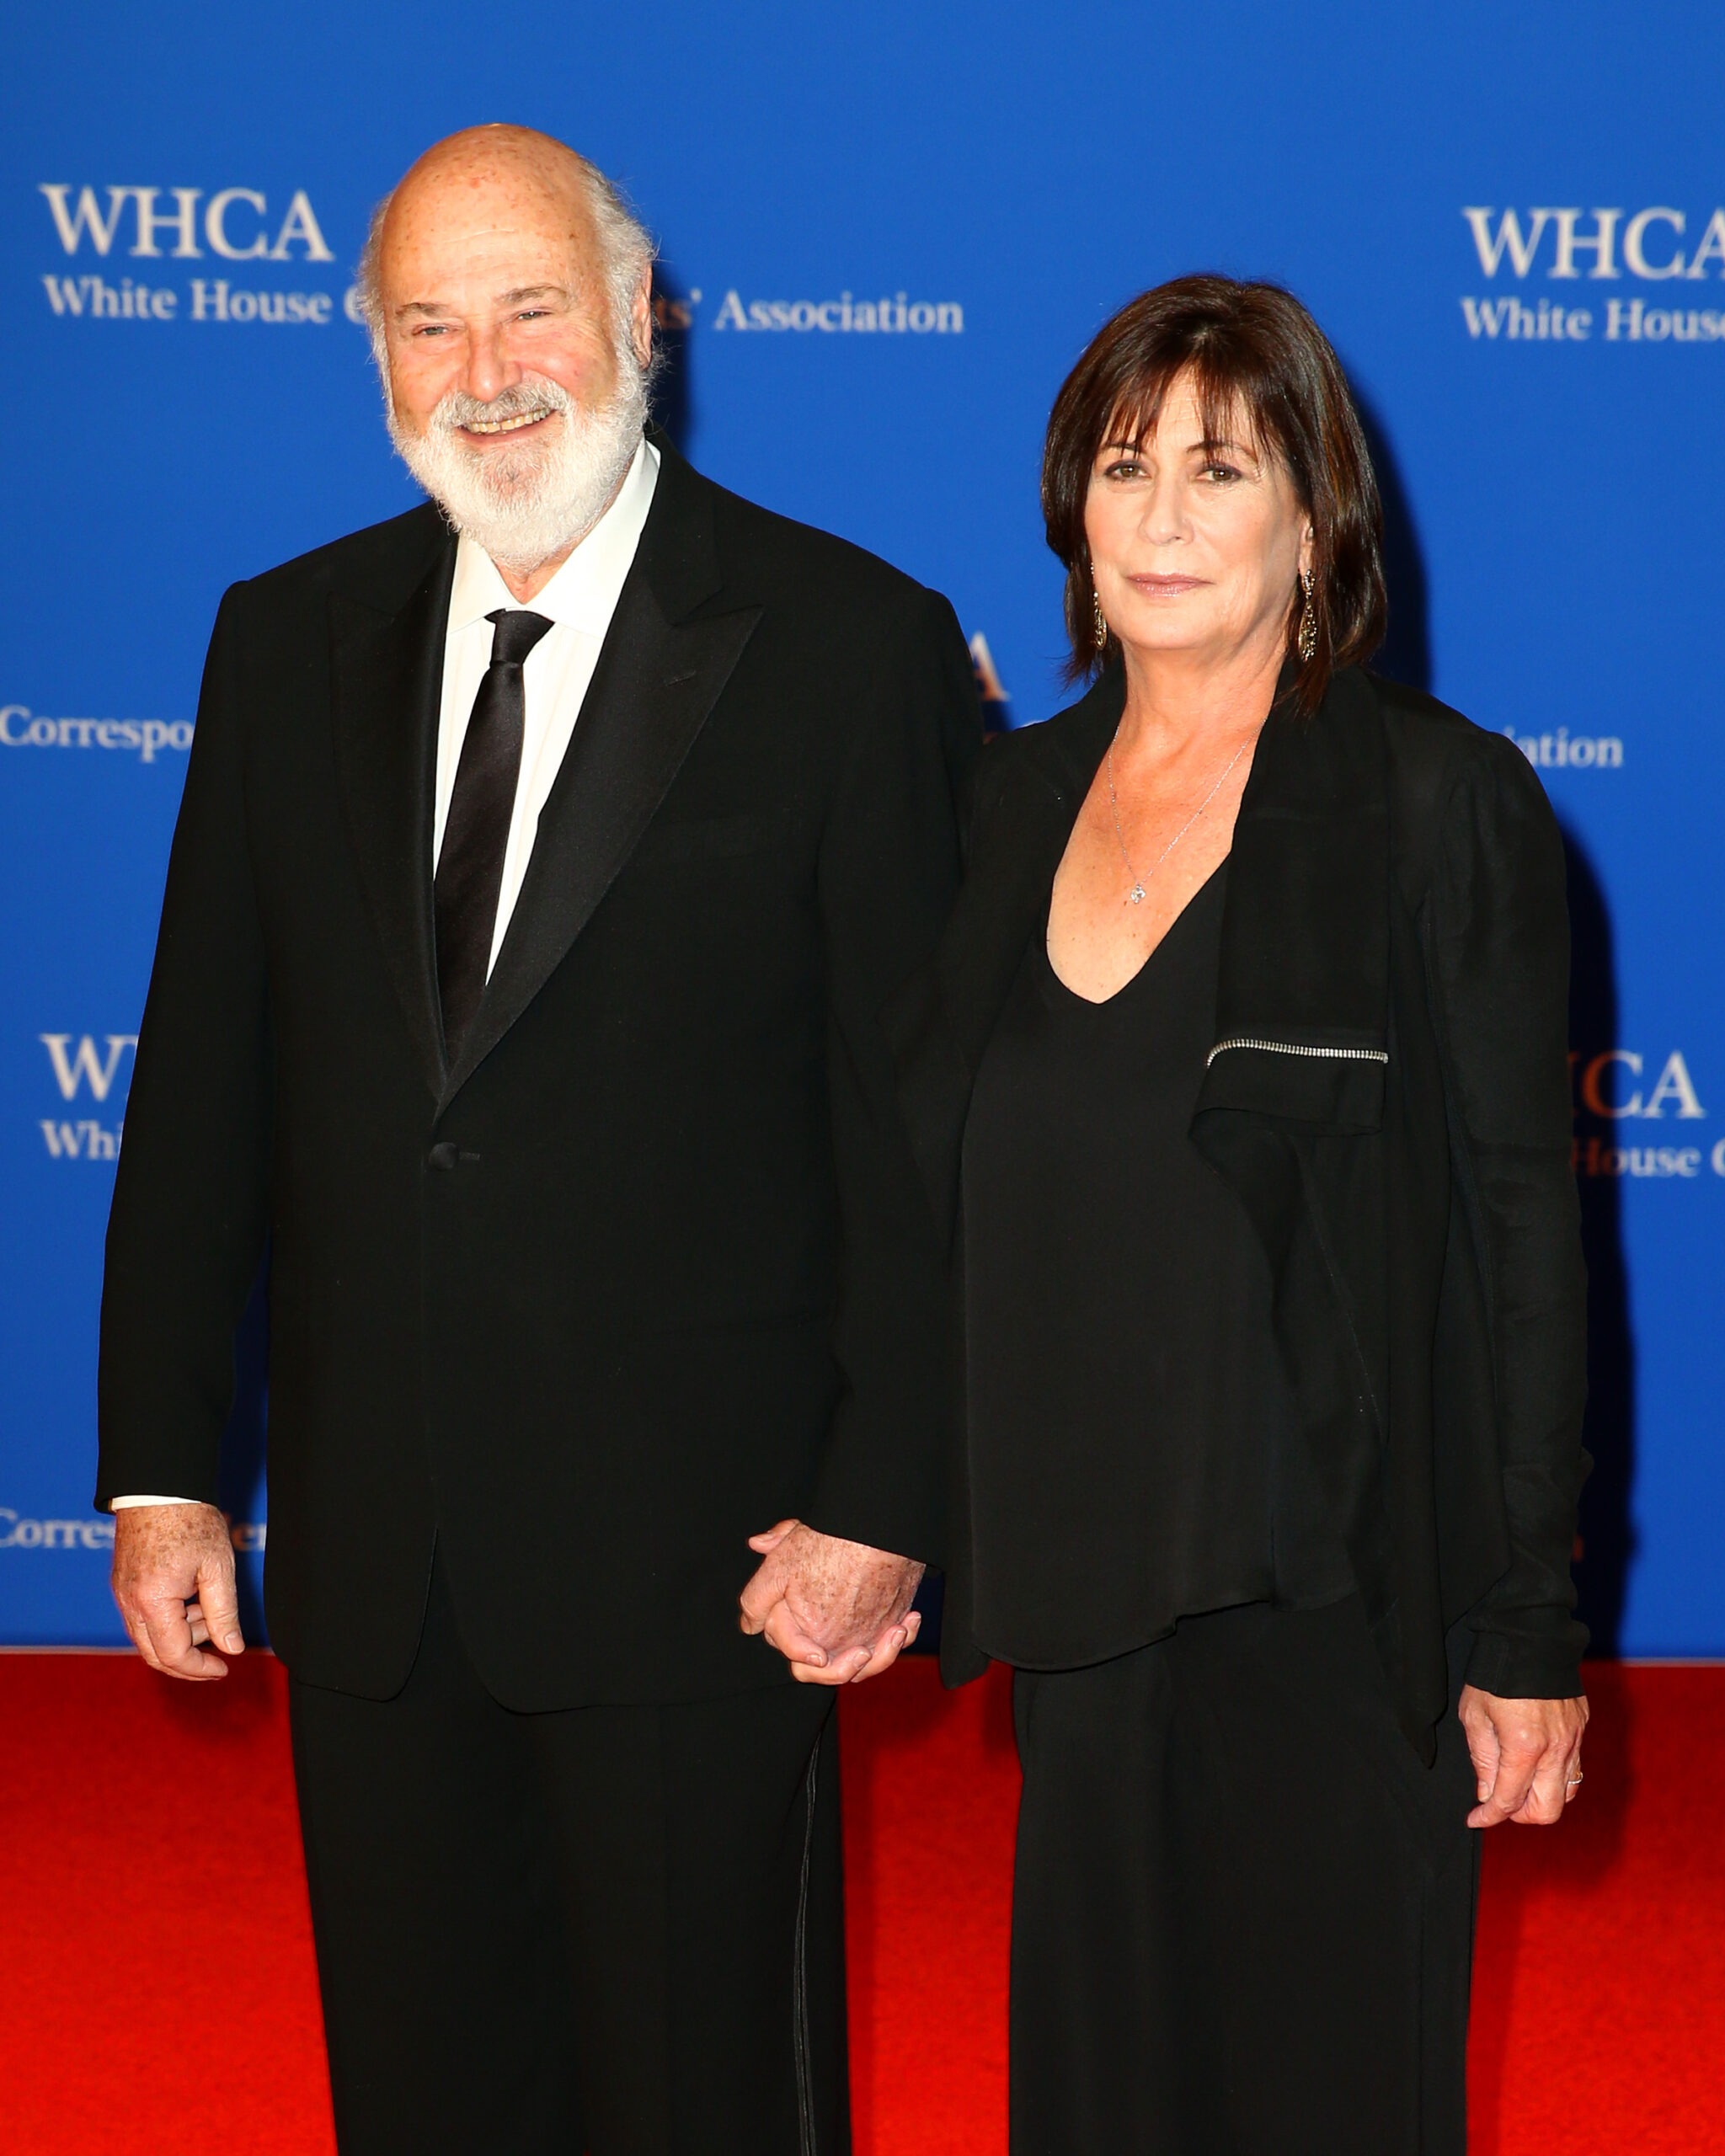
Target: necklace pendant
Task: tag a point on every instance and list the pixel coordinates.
(1134, 897)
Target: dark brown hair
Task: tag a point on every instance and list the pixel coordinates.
(1253, 351)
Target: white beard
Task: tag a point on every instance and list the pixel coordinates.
(525, 503)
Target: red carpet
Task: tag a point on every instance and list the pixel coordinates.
(160, 1994)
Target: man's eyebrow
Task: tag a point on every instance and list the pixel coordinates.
(515, 298)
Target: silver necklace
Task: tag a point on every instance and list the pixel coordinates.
(1134, 897)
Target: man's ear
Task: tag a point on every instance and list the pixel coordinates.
(641, 317)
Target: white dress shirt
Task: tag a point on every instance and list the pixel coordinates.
(579, 603)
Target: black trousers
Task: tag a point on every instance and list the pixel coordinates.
(612, 1929)
(1242, 1919)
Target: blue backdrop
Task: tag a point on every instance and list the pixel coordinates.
(887, 232)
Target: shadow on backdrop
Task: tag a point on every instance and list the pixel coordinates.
(1405, 655)
(673, 317)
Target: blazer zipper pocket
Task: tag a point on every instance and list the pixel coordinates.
(1294, 1047)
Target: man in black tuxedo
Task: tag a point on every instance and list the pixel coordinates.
(543, 867)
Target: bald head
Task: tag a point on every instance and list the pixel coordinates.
(479, 153)
(493, 178)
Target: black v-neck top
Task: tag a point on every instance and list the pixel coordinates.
(1132, 1455)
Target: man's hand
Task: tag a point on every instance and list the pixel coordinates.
(837, 1611)
(173, 1581)
(1526, 1755)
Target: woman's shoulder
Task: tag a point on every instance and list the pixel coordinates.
(1425, 735)
(1434, 748)
(1454, 784)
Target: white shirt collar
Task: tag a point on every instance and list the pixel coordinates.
(584, 593)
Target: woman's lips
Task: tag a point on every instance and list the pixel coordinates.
(1165, 587)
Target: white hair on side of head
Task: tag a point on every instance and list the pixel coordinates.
(628, 250)
(625, 244)
(367, 283)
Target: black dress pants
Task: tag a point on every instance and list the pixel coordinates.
(1242, 1919)
(610, 1929)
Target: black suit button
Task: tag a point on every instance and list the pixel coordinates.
(443, 1155)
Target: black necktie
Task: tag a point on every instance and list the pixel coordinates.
(476, 831)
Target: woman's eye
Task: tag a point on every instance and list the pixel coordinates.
(1221, 474)
(1122, 467)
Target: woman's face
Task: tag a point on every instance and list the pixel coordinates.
(1195, 546)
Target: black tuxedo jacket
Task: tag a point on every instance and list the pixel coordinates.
(1389, 1095)
(649, 1267)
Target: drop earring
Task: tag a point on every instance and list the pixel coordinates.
(1101, 630)
(1307, 641)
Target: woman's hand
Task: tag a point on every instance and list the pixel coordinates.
(1526, 1754)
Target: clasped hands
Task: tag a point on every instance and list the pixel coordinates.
(837, 1611)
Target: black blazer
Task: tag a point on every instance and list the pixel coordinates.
(1389, 1094)
(649, 1268)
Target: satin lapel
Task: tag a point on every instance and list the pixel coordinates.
(1305, 930)
(655, 683)
(386, 677)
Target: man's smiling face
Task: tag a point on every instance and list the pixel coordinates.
(514, 363)
(492, 280)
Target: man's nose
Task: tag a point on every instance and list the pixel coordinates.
(492, 368)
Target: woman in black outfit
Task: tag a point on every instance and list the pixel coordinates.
(1242, 1074)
